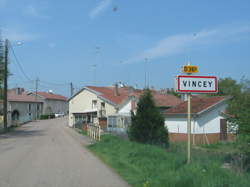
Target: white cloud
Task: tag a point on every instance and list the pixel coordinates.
(99, 8)
(18, 36)
(179, 43)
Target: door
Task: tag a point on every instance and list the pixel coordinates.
(223, 129)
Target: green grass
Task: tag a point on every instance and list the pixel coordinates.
(82, 132)
(150, 166)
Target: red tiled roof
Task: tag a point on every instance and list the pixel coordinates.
(22, 97)
(108, 93)
(198, 104)
(52, 96)
(160, 99)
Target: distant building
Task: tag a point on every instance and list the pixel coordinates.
(52, 103)
(22, 107)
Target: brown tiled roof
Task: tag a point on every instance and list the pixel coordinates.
(52, 96)
(198, 104)
(124, 93)
(22, 97)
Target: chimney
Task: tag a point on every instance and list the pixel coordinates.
(19, 91)
(116, 90)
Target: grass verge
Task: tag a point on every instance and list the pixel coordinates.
(150, 166)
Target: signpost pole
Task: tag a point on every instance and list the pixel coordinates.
(189, 129)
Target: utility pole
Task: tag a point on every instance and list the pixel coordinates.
(71, 89)
(37, 82)
(5, 95)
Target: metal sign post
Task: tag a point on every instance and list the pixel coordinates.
(193, 84)
(189, 128)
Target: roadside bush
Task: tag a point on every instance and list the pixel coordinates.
(47, 116)
(147, 125)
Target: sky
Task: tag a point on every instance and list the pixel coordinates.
(137, 42)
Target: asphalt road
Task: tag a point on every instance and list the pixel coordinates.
(49, 154)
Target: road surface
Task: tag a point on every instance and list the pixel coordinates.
(49, 154)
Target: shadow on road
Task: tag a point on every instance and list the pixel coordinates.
(22, 133)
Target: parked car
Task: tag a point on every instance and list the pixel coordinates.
(57, 115)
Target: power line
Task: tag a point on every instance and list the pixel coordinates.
(19, 64)
(55, 84)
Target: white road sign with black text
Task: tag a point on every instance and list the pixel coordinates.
(196, 84)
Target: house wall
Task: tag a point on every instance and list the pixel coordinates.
(209, 122)
(126, 108)
(205, 127)
(25, 114)
(83, 101)
(57, 106)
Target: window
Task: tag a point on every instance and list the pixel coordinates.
(102, 105)
(94, 103)
(29, 107)
(38, 108)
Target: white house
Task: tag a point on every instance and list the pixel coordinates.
(208, 123)
(119, 122)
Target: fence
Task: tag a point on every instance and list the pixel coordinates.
(94, 131)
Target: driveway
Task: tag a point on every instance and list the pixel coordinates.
(49, 154)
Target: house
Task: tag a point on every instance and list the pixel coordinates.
(208, 123)
(52, 103)
(119, 122)
(95, 104)
(22, 107)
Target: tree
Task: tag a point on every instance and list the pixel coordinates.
(228, 87)
(148, 123)
(239, 110)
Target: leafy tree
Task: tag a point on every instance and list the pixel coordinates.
(239, 110)
(228, 86)
(148, 123)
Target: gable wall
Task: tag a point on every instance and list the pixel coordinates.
(83, 101)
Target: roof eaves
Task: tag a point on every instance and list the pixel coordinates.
(212, 106)
(76, 93)
(107, 100)
(34, 94)
(179, 115)
(130, 98)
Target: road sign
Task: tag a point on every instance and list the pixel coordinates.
(196, 84)
(190, 69)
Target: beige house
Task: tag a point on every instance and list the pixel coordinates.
(94, 104)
